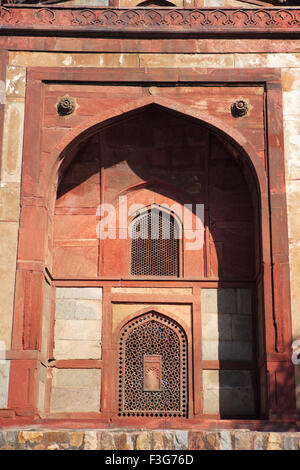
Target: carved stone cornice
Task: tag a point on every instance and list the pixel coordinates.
(159, 22)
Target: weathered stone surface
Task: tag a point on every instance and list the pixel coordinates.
(123, 441)
(196, 440)
(186, 60)
(4, 382)
(79, 330)
(77, 378)
(57, 436)
(216, 326)
(90, 440)
(118, 439)
(227, 392)
(212, 441)
(48, 59)
(243, 440)
(225, 440)
(75, 399)
(89, 293)
(275, 441)
(10, 202)
(30, 436)
(8, 243)
(65, 309)
(76, 439)
(106, 441)
(88, 310)
(12, 141)
(219, 300)
(143, 441)
(15, 81)
(158, 441)
(226, 350)
(69, 349)
(181, 440)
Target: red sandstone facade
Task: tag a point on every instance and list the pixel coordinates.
(152, 118)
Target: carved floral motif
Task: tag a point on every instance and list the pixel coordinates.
(168, 20)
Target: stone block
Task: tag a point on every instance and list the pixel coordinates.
(236, 402)
(90, 440)
(260, 441)
(76, 439)
(54, 59)
(88, 309)
(210, 350)
(219, 300)
(10, 202)
(81, 293)
(143, 441)
(4, 382)
(225, 440)
(211, 402)
(78, 330)
(226, 350)
(73, 349)
(235, 351)
(233, 379)
(77, 378)
(216, 326)
(212, 441)
(15, 81)
(65, 309)
(196, 441)
(57, 436)
(12, 141)
(241, 328)
(211, 379)
(106, 440)
(123, 441)
(275, 441)
(181, 440)
(292, 147)
(186, 60)
(75, 399)
(209, 300)
(243, 440)
(8, 243)
(244, 301)
(30, 436)
(291, 105)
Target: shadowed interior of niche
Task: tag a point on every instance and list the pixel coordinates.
(172, 153)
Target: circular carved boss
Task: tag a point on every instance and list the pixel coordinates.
(239, 108)
(66, 105)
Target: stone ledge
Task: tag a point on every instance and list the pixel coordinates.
(63, 439)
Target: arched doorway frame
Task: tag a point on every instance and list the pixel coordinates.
(271, 189)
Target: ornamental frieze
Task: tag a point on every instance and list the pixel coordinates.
(168, 21)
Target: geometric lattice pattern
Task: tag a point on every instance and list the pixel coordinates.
(155, 244)
(153, 351)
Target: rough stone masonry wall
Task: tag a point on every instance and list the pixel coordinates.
(147, 440)
(13, 140)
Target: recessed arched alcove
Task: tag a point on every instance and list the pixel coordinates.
(158, 156)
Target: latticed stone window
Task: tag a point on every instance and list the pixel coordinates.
(155, 244)
(153, 368)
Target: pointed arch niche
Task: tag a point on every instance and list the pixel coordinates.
(220, 304)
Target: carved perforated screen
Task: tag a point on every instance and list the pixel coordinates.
(153, 368)
(155, 244)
